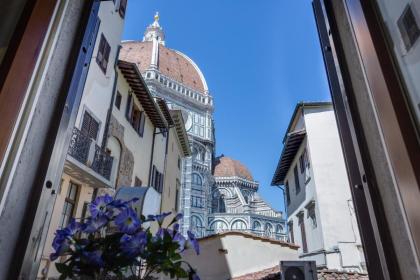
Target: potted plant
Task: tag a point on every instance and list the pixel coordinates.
(115, 243)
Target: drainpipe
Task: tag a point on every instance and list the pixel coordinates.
(109, 113)
(151, 156)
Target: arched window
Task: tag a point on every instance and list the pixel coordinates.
(197, 226)
(238, 225)
(114, 148)
(246, 198)
(268, 229)
(196, 180)
(279, 229)
(256, 226)
(219, 226)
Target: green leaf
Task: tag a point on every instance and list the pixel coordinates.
(62, 268)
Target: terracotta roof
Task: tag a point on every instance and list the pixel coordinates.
(171, 63)
(250, 235)
(227, 167)
(260, 275)
(273, 273)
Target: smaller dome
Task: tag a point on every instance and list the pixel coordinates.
(227, 167)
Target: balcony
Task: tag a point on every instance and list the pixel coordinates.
(87, 162)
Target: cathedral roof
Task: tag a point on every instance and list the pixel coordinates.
(227, 167)
(151, 53)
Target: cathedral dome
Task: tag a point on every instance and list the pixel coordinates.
(151, 53)
(227, 167)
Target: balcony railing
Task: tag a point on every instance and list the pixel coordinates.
(86, 151)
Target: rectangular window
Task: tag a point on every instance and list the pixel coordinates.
(85, 212)
(303, 233)
(312, 216)
(103, 53)
(118, 99)
(90, 126)
(408, 27)
(197, 201)
(136, 117)
(286, 188)
(302, 163)
(157, 180)
(291, 235)
(69, 205)
(297, 184)
(179, 163)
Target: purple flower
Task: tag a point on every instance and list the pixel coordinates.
(160, 218)
(180, 239)
(118, 203)
(61, 246)
(99, 206)
(127, 221)
(94, 258)
(72, 228)
(93, 224)
(194, 242)
(133, 245)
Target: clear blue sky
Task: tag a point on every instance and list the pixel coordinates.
(259, 57)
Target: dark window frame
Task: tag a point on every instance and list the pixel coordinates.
(90, 126)
(118, 100)
(69, 202)
(296, 177)
(409, 31)
(102, 57)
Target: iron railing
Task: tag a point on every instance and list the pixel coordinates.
(80, 149)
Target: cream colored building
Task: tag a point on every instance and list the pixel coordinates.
(124, 137)
(229, 255)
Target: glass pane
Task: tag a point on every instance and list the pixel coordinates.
(10, 13)
(402, 19)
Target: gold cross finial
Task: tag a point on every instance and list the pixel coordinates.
(157, 16)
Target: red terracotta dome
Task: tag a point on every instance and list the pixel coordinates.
(227, 167)
(170, 63)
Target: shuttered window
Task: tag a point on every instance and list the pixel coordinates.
(90, 126)
(408, 27)
(157, 180)
(103, 54)
(136, 117)
(297, 183)
(122, 8)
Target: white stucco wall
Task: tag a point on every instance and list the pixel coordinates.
(98, 87)
(141, 147)
(336, 232)
(244, 255)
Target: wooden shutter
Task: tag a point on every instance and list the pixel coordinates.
(105, 59)
(303, 233)
(128, 107)
(141, 125)
(90, 126)
(122, 8)
(86, 123)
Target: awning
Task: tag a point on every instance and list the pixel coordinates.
(139, 87)
(293, 141)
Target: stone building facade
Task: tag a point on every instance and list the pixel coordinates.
(175, 77)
